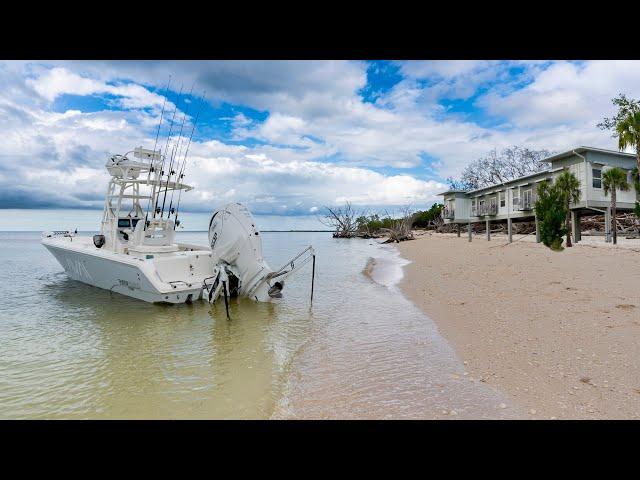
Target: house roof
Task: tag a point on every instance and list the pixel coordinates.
(515, 180)
(583, 149)
(452, 191)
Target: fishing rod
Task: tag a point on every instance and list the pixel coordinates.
(153, 160)
(171, 164)
(166, 148)
(166, 185)
(184, 161)
(177, 148)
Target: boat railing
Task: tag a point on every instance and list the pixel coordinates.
(59, 233)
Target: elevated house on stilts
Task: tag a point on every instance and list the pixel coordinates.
(514, 200)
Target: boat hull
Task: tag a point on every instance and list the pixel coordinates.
(132, 277)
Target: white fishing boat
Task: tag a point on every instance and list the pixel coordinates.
(136, 252)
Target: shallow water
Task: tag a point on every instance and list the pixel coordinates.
(68, 350)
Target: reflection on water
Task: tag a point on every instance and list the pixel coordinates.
(68, 350)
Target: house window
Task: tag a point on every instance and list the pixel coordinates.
(503, 202)
(516, 199)
(597, 177)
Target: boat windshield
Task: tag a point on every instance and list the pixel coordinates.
(127, 222)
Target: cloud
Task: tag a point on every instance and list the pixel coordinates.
(59, 81)
(566, 93)
(316, 140)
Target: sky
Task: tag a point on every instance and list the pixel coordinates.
(290, 137)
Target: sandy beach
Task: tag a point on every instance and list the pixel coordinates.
(558, 332)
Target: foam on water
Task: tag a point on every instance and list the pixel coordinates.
(387, 269)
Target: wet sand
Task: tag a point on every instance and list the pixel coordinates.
(377, 356)
(559, 332)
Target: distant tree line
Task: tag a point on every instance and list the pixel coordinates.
(348, 222)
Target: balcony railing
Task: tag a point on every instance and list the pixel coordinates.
(449, 213)
(474, 211)
(527, 203)
(490, 209)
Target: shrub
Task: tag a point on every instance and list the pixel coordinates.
(422, 219)
(551, 213)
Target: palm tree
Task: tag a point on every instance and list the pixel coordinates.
(628, 132)
(569, 187)
(612, 180)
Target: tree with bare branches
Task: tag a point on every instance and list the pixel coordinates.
(342, 220)
(499, 167)
(400, 229)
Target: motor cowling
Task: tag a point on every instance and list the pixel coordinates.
(235, 242)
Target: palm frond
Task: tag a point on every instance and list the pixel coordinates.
(615, 178)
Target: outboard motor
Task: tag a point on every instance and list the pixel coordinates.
(237, 247)
(239, 268)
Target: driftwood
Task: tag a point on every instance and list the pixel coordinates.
(400, 230)
(626, 223)
(480, 227)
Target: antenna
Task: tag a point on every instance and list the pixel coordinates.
(166, 148)
(184, 161)
(155, 144)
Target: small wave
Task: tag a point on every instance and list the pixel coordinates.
(386, 269)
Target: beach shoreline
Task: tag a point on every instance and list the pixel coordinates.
(558, 332)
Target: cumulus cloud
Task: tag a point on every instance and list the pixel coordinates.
(59, 81)
(566, 93)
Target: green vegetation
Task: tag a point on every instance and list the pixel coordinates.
(374, 224)
(612, 180)
(550, 210)
(628, 131)
(569, 188)
(625, 124)
(426, 218)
